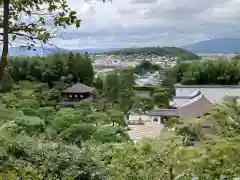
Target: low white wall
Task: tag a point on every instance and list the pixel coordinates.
(137, 117)
(144, 118)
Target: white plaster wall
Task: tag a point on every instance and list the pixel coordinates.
(145, 118)
(136, 117)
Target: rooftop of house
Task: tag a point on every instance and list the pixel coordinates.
(78, 88)
(207, 86)
(195, 99)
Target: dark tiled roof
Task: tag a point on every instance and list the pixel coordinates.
(206, 86)
(214, 93)
(190, 95)
(163, 112)
(78, 88)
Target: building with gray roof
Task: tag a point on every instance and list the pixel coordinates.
(75, 94)
(193, 101)
(214, 93)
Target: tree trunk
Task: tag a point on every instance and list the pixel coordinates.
(3, 62)
(171, 175)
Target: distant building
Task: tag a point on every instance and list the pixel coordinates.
(74, 94)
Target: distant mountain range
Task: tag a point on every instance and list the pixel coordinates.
(160, 51)
(218, 45)
(17, 51)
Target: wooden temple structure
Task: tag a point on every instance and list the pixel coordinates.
(74, 94)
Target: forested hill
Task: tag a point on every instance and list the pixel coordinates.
(160, 51)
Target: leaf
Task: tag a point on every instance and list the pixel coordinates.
(14, 37)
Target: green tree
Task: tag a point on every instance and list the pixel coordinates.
(98, 83)
(143, 104)
(126, 94)
(49, 77)
(111, 87)
(117, 117)
(77, 133)
(108, 134)
(84, 107)
(63, 119)
(53, 12)
(208, 72)
(224, 119)
(87, 71)
(58, 65)
(33, 31)
(30, 125)
(46, 113)
(71, 64)
(6, 83)
(49, 160)
(161, 100)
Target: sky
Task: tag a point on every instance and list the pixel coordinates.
(137, 23)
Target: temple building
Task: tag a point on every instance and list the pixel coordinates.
(190, 101)
(74, 94)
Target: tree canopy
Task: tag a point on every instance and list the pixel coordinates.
(39, 141)
(225, 72)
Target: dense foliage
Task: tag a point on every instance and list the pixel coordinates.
(90, 140)
(87, 142)
(225, 72)
(160, 51)
(65, 68)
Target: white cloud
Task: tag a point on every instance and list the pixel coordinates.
(125, 23)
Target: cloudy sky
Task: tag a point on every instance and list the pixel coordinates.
(134, 23)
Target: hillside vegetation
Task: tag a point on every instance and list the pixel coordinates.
(160, 51)
(89, 141)
(223, 72)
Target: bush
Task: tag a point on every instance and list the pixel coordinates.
(107, 134)
(6, 82)
(150, 89)
(77, 133)
(29, 112)
(30, 125)
(172, 122)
